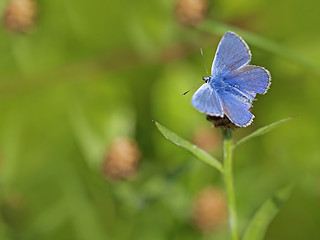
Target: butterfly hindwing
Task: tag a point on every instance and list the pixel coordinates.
(206, 100)
(236, 107)
(232, 53)
(250, 79)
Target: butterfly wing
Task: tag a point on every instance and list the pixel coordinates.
(250, 79)
(242, 87)
(232, 53)
(236, 106)
(206, 100)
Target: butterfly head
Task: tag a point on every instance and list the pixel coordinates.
(206, 79)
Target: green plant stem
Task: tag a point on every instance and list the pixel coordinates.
(228, 179)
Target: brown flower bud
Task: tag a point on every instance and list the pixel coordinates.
(210, 209)
(13, 209)
(122, 159)
(191, 12)
(19, 15)
(222, 122)
(207, 138)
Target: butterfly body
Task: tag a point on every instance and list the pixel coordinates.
(233, 83)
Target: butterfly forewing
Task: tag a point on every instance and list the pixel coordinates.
(250, 79)
(206, 100)
(232, 53)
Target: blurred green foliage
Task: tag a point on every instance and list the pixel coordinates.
(91, 71)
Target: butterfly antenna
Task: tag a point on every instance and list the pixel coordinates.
(200, 82)
(192, 88)
(204, 61)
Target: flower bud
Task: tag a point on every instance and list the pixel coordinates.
(13, 209)
(122, 159)
(19, 15)
(210, 209)
(222, 122)
(191, 12)
(207, 138)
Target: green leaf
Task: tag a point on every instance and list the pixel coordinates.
(199, 153)
(261, 131)
(263, 217)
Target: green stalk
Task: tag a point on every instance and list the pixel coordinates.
(228, 180)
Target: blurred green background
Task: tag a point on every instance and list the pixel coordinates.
(89, 72)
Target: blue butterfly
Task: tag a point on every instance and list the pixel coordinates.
(233, 84)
